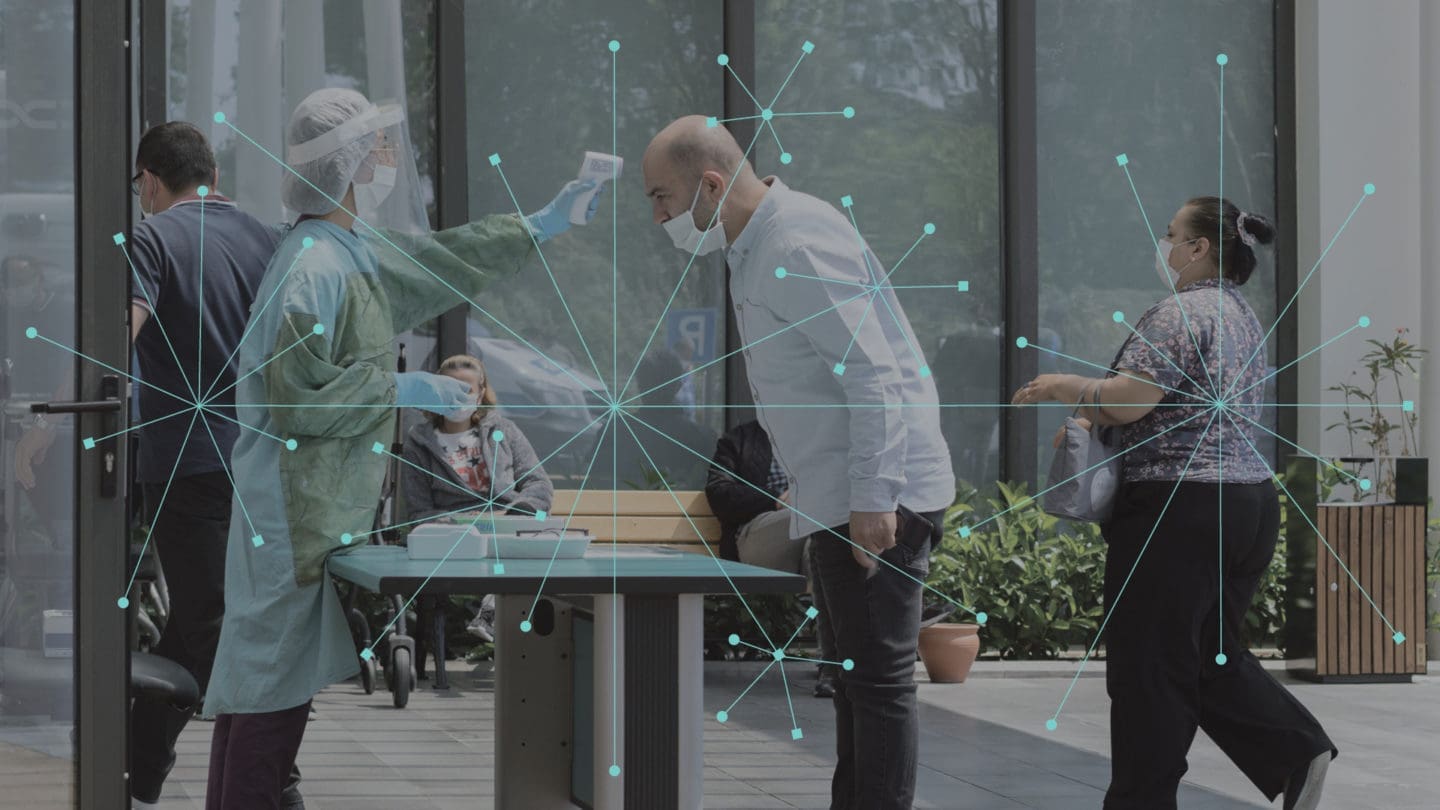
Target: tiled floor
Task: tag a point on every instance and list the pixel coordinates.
(984, 745)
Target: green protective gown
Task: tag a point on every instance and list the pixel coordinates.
(332, 391)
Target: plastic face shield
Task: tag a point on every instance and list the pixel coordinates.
(390, 158)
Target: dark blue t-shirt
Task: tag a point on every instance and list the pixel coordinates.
(188, 332)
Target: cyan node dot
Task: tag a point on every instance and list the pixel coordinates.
(924, 371)
(1022, 342)
(541, 514)
(1221, 59)
(811, 612)
(367, 654)
(839, 369)
(785, 158)
(964, 531)
(119, 238)
(929, 228)
(848, 664)
(307, 242)
(219, 117)
(1122, 159)
(318, 329)
(31, 332)
(1365, 484)
(712, 122)
(848, 112)
(808, 47)
(1220, 659)
(498, 436)
(778, 655)
(203, 191)
(291, 444)
(722, 715)
(1399, 637)
(1408, 405)
(796, 734)
(767, 114)
(982, 617)
(1364, 321)
(257, 541)
(722, 60)
(377, 447)
(346, 538)
(89, 443)
(780, 272)
(1118, 316)
(123, 602)
(962, 286)
(1369, 188)
(525, 626)
(1051, 725)
(614, 45)
(495, 159)
(734, 639)
(614, 770)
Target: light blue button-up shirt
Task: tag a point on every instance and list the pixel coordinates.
(834, 367)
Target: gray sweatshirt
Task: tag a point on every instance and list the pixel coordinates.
(431, 486)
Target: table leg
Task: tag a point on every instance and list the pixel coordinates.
(649, 718)
(533, 706)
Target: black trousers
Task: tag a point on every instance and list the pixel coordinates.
(1189, 572)
(190, 531)
(875, 622)
(252, 759)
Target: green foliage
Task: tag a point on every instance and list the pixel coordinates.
(779, 614)
(1039, 579)
(1386, 366)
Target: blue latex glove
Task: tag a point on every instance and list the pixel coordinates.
(554, 219)
(435, 393)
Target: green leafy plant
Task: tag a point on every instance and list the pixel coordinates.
(1039, 579)
(1385, 365)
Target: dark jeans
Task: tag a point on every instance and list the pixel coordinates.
(189, 533)
(1164, 634)
(190, 530)
(252, 759)
(876, 624)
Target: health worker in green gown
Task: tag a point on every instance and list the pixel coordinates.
(316, 391)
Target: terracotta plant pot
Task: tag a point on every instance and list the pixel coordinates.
(948, 650)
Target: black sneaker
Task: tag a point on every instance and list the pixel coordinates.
(934, 614)
(825, 682)
(1302, 791)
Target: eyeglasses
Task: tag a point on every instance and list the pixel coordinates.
(135, 183)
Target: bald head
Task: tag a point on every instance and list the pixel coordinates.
(688, 155)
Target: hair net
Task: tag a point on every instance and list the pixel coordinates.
(329, 136)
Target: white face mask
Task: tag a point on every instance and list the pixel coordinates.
(369, 196)
(461, 417)
(691, 239)
(1169, 276)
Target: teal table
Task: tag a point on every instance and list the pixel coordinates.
(618, 635)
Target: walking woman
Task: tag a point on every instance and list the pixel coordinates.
(1194, 528)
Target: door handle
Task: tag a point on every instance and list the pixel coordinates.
(112, 407)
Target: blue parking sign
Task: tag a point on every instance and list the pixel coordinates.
(696, 324)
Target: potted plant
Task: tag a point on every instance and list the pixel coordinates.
(1394, 478)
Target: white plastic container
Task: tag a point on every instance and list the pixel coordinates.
(449, 541)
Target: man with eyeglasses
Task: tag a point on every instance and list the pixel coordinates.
(197, 262)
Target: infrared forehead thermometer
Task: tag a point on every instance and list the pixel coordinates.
(601, 168)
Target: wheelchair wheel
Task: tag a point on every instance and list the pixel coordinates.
(368, 675)
(402, 676)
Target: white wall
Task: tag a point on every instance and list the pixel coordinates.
(1428, 403)
(1360, 110)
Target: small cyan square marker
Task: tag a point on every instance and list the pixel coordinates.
(541, 514)
(377, 448)
(366, 654)
(846, 201)
(1408, 405)
(89, 444)
(712, 122)
(811, 612)
(499, 568)
(495, 159)
(808, 47)
(257, 541)
(962, 286)
(1122, 159)
(796, 734)
(119, 238)
(1399, 638)
(839, 369)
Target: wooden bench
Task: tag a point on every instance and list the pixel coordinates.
(639, 516)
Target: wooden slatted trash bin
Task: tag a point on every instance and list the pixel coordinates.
(1383, 547)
